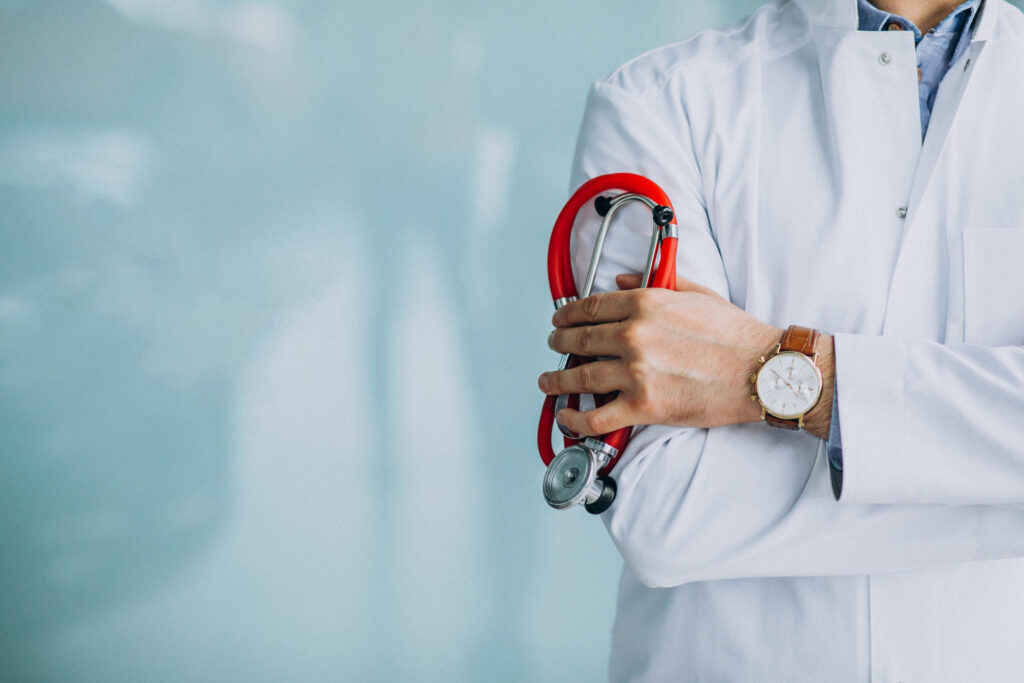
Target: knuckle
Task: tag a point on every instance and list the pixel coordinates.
(626, 335)
(645, 300)
(586, 378)
(591, 306)
(554, 382)
(632, 335)
(596, 424)
(585, 339)
(644, 335)
(638, 372)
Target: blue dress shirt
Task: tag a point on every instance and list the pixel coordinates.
(937, 50)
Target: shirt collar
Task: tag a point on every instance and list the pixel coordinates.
(870, 18)
(843, 14)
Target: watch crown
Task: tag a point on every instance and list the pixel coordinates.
(762, 360)
(753, 378)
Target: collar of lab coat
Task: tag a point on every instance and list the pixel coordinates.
(843, 14)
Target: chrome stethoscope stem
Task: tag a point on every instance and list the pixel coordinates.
(614, 207)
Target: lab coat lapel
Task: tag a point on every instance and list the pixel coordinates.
(921, 277)
(947, 103)
(871, 108)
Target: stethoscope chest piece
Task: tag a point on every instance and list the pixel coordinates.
(572, 478)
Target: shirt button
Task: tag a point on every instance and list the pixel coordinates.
(894, 27)
(901, 212)
(885, 58)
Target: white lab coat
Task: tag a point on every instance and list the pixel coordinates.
(788, 144)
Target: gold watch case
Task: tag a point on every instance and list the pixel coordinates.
(790, 368)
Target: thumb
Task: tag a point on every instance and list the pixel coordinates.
(628, 280)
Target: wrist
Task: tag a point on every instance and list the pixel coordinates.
(819, 418)
(762, 346)
(783, 361)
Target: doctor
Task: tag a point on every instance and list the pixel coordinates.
(855, 171)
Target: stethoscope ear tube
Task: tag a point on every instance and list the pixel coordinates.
(580, 473)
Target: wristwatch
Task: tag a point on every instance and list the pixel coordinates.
(788, 383)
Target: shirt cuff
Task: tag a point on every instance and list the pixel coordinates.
(834, 448)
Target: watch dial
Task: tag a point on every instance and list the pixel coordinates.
(788, 384)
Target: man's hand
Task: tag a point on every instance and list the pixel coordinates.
(680, 358)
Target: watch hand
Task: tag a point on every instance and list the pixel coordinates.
(795, 393)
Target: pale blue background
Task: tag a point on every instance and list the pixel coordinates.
(272, 306)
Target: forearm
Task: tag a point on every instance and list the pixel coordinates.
(925, 422)
(747, 501)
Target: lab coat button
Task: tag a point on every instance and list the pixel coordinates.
(885, 58)
(901, 212)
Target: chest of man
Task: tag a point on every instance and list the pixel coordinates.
(829, 210)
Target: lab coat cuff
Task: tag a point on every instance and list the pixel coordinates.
(834, 448)
(872, 403)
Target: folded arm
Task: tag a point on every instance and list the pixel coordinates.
(743, 500)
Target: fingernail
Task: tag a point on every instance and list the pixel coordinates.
(551, 340)
(559, 417)
(556, 318)
(544, 382)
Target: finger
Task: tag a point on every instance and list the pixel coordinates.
(588, 340)
(600, 377)
(598, 421)
(597, 308)
(628, 280)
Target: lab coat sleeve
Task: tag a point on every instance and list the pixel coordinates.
(925, 422)
(744, 500)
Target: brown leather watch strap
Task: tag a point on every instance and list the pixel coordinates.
(802, 340)
(792, 423)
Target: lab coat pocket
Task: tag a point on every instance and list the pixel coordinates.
(994, 286)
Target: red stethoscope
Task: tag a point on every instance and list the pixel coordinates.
(579, 473)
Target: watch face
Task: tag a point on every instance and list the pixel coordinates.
(788, 384)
